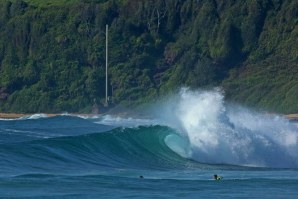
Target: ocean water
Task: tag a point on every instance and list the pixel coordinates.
(177, 148)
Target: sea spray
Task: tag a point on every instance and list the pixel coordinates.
(218, 133)
(202, 115)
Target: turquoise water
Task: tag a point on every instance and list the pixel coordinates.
(79, 158)
(177, 152)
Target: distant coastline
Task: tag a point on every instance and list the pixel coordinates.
(292, 116)
(20, 115)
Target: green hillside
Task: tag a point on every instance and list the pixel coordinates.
(45, 3)
(52, 53)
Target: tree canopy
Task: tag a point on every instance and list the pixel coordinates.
(52, 53)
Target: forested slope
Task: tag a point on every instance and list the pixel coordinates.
(52, 53)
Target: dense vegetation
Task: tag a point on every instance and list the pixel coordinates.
(52, 53)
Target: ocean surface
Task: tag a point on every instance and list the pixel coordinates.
(171, 152)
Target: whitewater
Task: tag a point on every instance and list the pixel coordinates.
(176, 145)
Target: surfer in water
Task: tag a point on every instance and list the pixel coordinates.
(216, 177)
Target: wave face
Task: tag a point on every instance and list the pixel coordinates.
(142, 147)
(220, 133)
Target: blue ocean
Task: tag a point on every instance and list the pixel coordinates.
(171, 150)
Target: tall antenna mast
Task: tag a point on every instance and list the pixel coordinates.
(107, 37)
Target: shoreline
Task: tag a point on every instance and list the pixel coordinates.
(292, 116)
(20, 115)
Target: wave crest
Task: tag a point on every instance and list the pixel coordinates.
(226, 134)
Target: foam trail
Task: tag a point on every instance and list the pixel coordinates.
(125, 122)
(231, 135)
(35, 116)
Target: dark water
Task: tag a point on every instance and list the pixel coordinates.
(72, 157)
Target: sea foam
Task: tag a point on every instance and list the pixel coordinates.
(221, 133)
